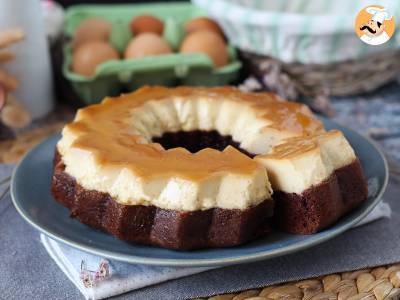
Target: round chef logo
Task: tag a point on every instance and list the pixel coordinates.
(374, 25)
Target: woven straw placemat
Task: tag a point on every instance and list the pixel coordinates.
(367, 284)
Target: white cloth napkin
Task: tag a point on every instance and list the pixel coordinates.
(123, 277)
(126, 277)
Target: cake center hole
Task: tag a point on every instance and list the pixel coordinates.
(197, 140)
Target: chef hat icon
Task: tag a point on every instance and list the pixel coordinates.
(378, 14)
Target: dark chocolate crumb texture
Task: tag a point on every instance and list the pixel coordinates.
(197, 140)
(321, 205)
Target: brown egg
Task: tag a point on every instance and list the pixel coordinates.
(209, 43)
(202, 23)
(89, 55)
(91, 29)
(147, 44)
(146, 23)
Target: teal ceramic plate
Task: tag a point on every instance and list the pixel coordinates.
(30, 190)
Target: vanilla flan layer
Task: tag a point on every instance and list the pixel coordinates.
(109, 148)
(302, 162)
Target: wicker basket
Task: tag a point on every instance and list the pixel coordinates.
(307, 50)
(309, 32)
(335, 79)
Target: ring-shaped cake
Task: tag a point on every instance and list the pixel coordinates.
(188, 168)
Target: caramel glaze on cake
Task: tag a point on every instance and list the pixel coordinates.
(142, 167)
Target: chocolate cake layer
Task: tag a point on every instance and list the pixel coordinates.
(323, 204)
(197, 140)
(180, 230)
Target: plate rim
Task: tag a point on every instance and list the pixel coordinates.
(207, 262)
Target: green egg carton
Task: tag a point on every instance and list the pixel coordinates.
(116, 76)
